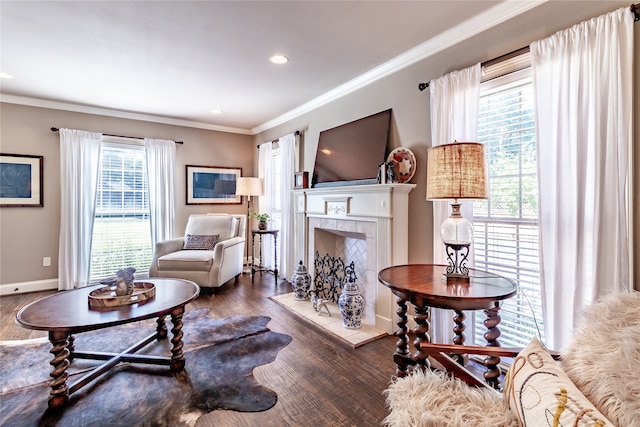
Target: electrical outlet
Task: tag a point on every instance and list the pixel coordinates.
(46, 261)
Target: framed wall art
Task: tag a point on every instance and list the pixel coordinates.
(212, 185)
(301, 180)
(21, 180)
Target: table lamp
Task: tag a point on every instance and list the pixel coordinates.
(248, 186)
(456, 171)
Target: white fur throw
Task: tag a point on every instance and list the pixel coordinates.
(603, 359)
(433, 399)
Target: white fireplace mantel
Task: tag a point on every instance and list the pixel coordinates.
(379, 212)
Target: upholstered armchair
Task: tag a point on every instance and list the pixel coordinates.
(595, 383)
(211, 252)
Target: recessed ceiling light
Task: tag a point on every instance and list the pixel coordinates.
(279, 59)
(216, 111)
(6, 76)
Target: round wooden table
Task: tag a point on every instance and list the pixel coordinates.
(425, 286)
(68, 312)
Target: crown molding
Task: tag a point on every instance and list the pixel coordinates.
(465, 30)
(56, 105)
(469, 28)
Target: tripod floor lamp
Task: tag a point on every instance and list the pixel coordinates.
(248, 186)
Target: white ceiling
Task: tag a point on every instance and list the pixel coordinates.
(174, 61)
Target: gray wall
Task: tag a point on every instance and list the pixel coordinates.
(29, 234)
(411, 123)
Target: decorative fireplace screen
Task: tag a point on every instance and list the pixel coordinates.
(330, 276)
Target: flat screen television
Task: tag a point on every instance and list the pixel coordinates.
(350, 154)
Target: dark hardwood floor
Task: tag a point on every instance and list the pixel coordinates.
(320, 381)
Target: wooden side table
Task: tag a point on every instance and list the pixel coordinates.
(424, 286)
(260, 267)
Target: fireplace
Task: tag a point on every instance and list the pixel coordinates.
(367, 224)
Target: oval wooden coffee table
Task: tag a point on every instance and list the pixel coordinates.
(67, 313)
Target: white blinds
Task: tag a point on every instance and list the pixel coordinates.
(276, 207)
(506, 224)
(122, 231)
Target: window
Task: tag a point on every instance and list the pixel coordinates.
(122, 229)
(506, 224)
(276, 199)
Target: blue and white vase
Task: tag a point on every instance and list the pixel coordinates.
(351, 305)
(301, 282)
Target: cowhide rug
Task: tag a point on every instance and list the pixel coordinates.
(220, 357)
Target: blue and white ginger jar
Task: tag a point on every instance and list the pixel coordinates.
(301, 282)
(351, 305)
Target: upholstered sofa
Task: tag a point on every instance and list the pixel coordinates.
(211, 252)
(595, 383)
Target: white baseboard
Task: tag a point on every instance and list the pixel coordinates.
(24, 287)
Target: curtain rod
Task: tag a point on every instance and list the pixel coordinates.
(522, 50)
(635, 9)
(296, 133)
(55, 129)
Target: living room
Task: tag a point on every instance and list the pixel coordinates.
(31, 234)
(25, 130)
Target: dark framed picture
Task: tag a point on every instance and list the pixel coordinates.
(301, 180)
(212, 185)
(21, 180)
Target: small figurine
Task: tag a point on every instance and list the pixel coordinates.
(320, 303)
(382, 173)
(124, 281)
(391, 173)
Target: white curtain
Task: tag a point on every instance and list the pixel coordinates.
(583, 96)
(161, 161)
(264, 173)
(287, 169)
(264, 202)
(455, 100)
(79, 161)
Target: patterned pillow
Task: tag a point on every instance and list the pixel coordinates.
(200, 241)
(541, 394)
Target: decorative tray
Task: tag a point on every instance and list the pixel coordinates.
(106, 296)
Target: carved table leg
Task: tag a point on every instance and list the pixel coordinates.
(492, 374)
(161, 328)
(253, 259)
(177, 355)
(401, 356)
(71, 346)
(59, 391)
(275, 256)
(459, 337)
(422, 335)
